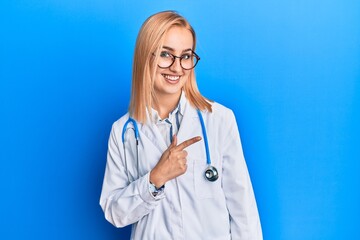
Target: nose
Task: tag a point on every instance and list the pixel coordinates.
(176, 66)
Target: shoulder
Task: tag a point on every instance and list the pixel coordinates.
(220, 116)
(118, 125)
(222, 113)
(221, 122)
(223, 118)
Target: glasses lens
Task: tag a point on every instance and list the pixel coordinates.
(188, 61)
(165, 59)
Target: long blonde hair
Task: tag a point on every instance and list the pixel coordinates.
(149, 40)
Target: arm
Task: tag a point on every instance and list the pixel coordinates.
(124, 203)
(240, 199)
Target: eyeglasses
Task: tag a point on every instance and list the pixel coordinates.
(187, 60)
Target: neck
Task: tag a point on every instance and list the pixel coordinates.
(165, 103)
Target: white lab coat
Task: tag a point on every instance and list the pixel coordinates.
(190, 206)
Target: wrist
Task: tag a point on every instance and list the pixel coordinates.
(157, 181)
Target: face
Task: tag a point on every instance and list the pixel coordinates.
(169, 81)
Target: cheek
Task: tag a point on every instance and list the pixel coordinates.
(186, 76)
(159, 71)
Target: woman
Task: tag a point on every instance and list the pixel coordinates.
(185, 177)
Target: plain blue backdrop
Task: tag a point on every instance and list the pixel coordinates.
(289, 69)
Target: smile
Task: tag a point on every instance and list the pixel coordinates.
(171, 78)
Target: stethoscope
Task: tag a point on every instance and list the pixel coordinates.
(211, 173)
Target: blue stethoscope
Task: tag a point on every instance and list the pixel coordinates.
(211, 173)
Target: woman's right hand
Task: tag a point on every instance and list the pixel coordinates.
(172, 163)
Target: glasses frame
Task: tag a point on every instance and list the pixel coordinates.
(181, 57)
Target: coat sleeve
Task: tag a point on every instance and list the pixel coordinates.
(124, 203)
(240, 199)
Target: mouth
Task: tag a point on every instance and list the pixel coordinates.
(171, 78)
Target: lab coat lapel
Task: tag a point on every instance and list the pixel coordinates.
(190, 125)
(151, 131)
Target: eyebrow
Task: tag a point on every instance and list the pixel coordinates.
(173, 50)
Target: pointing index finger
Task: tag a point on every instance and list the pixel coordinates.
(187, 143)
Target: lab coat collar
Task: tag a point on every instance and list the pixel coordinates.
(182, 103)
(179, 108)
(189, 126)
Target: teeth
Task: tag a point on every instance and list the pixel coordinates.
(171, 78)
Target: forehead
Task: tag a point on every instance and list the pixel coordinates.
(178, 38)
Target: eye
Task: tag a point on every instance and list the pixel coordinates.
(186, 56)
(165, 54)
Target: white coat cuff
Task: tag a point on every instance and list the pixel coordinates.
(145, 192)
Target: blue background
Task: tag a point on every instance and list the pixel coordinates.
(289, 69)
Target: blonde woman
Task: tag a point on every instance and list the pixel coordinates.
(175, 167)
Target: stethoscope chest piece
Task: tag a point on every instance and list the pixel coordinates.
(211, 174)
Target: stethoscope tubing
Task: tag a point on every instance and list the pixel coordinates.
(136, 130)
(137, 136)
(208, 160)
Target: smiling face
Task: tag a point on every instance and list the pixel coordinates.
(169, 81)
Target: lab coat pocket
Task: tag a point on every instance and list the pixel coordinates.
(203, 187)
